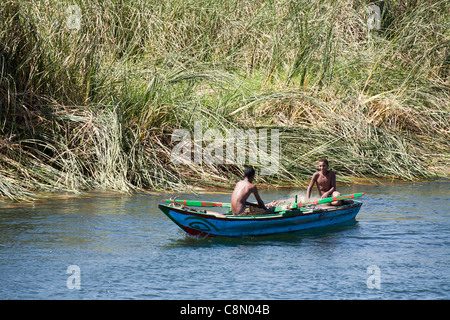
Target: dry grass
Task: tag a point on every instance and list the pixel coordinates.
(95, 107)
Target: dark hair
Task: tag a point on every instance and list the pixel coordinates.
(249, 172)
(324, 160)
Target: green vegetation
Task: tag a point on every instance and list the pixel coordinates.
(95, 107)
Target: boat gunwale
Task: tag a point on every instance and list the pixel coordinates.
(271, 216)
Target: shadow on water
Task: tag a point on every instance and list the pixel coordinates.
(293, 238)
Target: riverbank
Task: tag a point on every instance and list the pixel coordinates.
(285, 192)
(92, 94)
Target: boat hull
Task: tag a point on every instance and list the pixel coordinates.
(203, 224)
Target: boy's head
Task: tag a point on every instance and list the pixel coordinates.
(323, 164)
(249, 173)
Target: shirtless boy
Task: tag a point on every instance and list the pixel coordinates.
(241, 193)
(326, 183)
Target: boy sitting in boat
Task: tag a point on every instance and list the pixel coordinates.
(242, 191)
(326, 183)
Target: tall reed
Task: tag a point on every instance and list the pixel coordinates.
(95, 106)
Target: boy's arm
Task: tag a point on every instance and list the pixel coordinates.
(311, 185)
(258, 198)
(328, 193)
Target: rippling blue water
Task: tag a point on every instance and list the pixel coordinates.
(126, 248)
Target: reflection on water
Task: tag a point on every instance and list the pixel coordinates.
(291, 238)
(127, 248)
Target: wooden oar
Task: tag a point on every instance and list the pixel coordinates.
(320, 201)
(331, 199)
(198, 203)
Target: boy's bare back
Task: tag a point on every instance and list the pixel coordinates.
(240, 195)
(243, 190)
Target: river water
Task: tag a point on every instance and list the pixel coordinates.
(109, 246)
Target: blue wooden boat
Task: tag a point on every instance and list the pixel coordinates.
(208, 223)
